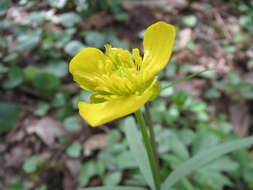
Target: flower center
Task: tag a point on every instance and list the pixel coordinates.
(123, 75)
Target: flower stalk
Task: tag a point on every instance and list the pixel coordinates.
(151, 131)
(149, 148)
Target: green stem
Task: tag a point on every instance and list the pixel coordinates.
(151, 132)
(150, 151)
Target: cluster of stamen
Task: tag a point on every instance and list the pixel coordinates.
(122, 74)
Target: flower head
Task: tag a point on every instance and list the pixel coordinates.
(122, 82)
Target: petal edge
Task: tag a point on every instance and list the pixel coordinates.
(101, 113)
(86, 64)
(158, 45)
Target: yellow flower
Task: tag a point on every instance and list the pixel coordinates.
(122, 82)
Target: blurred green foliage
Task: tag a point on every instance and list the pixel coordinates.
(30, 164)
(8, 116)
(190, 20)
(36, 47)
(246, 19)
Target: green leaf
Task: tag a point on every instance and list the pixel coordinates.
(136, 180)
(36, 17)
(16, 186)
(113, 136)
(234, 78)
(212, 93)
(95, 39)
(126, 160)
(46, 81)
(245, 20)
(166, 92)
(222, 164)
(74, 150)
(180, 98)
(30, 72)
(229, 49)
(15, 77)
(11, 57)
(100, 167)
(73, 47)
(245, 159)
(115, 42)
(31, 164)
(65, 112)
(158, 107)
(203, 141)
(197, 106)
(69, 19)
(141, 34)
(82, 96)
(87, 171)
(90, 168)
(212, 174)
(186, 136)
(212, 179)
(71, 123)
(113, 178)
(28, 41)
(3, 69)
(42, 187)
(172, 114)
(57, 3)
(113, 188)
(122, 16)
(172, 160)
(178, 148)
(4, 4)
(60, 99)
(6, 23)
(171, 69)
(136, 146)
(58, 68)
(8, 116)
(190, 20)
(41, 109)
(187, 185)
(203, 158)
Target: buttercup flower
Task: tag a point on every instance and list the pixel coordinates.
(122, 82)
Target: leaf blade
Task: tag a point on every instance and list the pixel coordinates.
(136, 146)
(203, 158)
(113, 188)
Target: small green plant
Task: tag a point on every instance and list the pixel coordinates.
(235, 87)
(246, 20)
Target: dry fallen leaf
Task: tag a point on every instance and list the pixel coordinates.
(185, 36)
(73, 165)
(47, 129)
(240, 117)
(95, 142)
(17, 14)
(164, 4)
(98, 21)
(17, 156)
(193, 87)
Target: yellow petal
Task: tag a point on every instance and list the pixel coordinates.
(101, 113)
(85, 65)
(158, 45)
